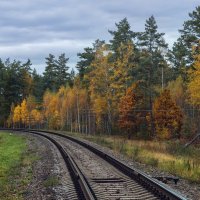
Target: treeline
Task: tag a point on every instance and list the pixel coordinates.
(132, 85)
(18, 81)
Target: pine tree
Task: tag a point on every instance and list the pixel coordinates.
(151, 59)
(123, 35)
(17, 84)
(71, 78)
(190, 34)
(50, 73)
(2, 92)
(38, 85)
(86, 59)
(62, 75)
(182, 54)
(177, 56)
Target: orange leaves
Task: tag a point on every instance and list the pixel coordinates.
(167, 115)
(129, 117)
(126, 117)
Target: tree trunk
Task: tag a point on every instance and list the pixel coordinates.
(78, 113)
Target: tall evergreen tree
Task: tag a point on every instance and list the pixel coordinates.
(62, 75)
(17, 84)
(2, 91)
(177, 56)
(182, 53)
(50, 73)
(151, 60)
(56, 72)
(123, 35)
(86, 59)
(38, 85)
(190, 34)
(71, 78)
(26, 79)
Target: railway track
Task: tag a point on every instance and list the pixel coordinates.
(97, 175)
(80, 188)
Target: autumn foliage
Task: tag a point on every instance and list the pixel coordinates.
(25, 114)
(194, 83)
(167, 115)
(130, 115)
(126, 86)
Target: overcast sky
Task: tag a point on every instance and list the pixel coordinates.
(34, 28)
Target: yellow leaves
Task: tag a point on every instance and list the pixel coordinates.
(62, 107)
(100, 105)
(17, 114)
(100, 75)
(122, 69)
(61, 91)
(24, 112)
(100, 84)
(50, 104)
(177, 91)
(194, 83)
(110, 76)
(36, 116)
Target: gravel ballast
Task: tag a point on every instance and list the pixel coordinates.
(187, 189)
(50, 176)
(51, 164)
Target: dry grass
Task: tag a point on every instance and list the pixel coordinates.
(169, 156)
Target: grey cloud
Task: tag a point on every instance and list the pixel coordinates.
(33, 29)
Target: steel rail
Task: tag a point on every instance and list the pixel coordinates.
(157, 188)
(79, 179)
(87, 191)
(153, 185)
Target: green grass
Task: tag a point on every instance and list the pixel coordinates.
(14, 158)
(170, 156)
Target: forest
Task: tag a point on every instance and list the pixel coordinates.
(133, 85)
